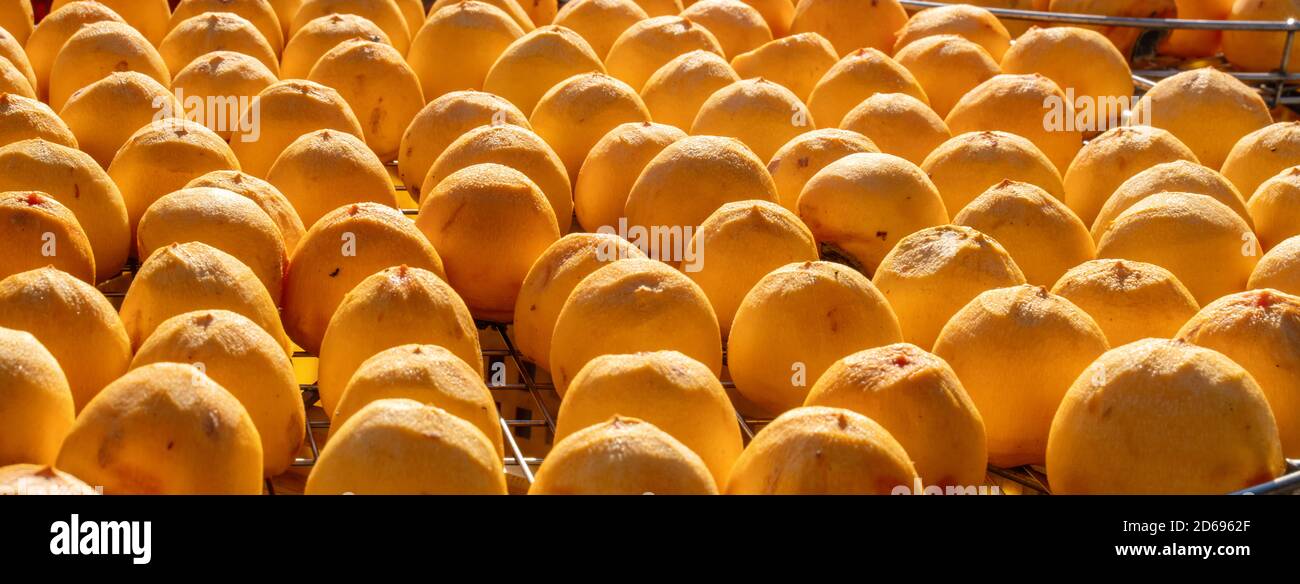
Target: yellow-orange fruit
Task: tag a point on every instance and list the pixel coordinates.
(285, 10)
(1275, 208)
(600, 21)
(24, 118)
(605, 180)
(515, 147)
(150, 17)
(738, 245)
(1084, 64)
(649, 44)
(862, 204)
(345, 247)
(476, 32)
(851, 24)
(16, 16)
(184, 277)
(737, 26)
(14, 81)
(947, 67)
(676, 91)
(804, 156)
(579, 111)
(11, 49)
(933, 273)
(74, 321)
(661, 7)
(537, 62)
(1182, 103)
(622, 456)
(692, 177)
(1279, 268)
(400, 446)
(244, 359)
(540, 12)
(215, 31)
(489, 224)
(972, 23)
(35, 479)
(1197, 43)
(1259, 51)
(383, 13)
(969, 164)
(104, 114)
(430, 375)
(317, 37)
(822, 451)
(1031, 106)
(443, 121)
(281, 114)
(37, 231)
(259, 13)
(1261, 155)
(550, 281)
(74, 179)
(760, 113)
(898, 124)
(630, 306)
(381, 89)
(55, 30)
(219, 85)
(1043, 236)
(1177, 176)
(1209, 248)
(796, 322)
(327, 169)
(1044, 338)
(778, 14)
(1159, 416)
(917, 397)
(36, 408)
(95, 51)
(390, 308)
(857, 76)
(512, 8)
(1129, 300)
(796, 62)
(165, 428)
(1123, 37)
(267, 197)
(677, 394)
(1108, 160)
(163, 157)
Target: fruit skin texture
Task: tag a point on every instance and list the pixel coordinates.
(536, 62)
(97, 50)
(49, 304)
(1177, 176)
(1017, 104)
(382, 90)
(796, 62)
(1076, 59)
(1279, 268)
(394, 307)
(317, 37)
(606, 178)
(223, 77)
(1258, 330)
(489, 223)
(668, 389)
(184, 277)
(856, 77)
(1110, 159)
(383, 13)
(738, 26)
(36, 479)
(401, 447)
(803, 157)
(267, 197)
(851, 24)
(17, 16)
(1274, 208)
(214, 31)
(12, 50)
(288, 110)
(930, 275)
(579, 111)
(443, 121)
(1129, 300)
(259, 13)
(39, 231)
(759, 113)
(24, 118)
(1163, 417)
(1183, 102)
(54, 31)
(1043, 236)
(550, 281)
(969, 164)
(600, 21)
(969, 22)
(430, 375)
(739, 244)
(623, 456)
(630, 306)
(1046, 339)
(796, 322)
(947, 67)
(649, 44)
(327, 169)
(917, 397)
(692, 177)
(1261, 155)
(345, 247)
(36, 408)
(676, 91)
(1209, 248)
(863, 204)
(165, 428)
(898, 124)
(14, 81)
(150, 17)
(821, 451)
(476, 32)
(512, 8)
(1260, 51)
(244, 359)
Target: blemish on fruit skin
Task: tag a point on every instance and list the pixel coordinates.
(1265, 299)
(902, 361)
(335, 273)
(803, 162)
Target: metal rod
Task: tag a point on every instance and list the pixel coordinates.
(1127, 22)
